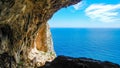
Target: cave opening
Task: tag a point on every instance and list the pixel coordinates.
(77, 36)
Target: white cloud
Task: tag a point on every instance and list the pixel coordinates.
(78, 5)
(104, 12)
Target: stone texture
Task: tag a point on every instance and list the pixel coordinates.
(25, 39)
(69, 62)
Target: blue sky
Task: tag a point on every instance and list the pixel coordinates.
(88, 14)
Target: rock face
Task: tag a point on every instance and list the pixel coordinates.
(25, 39)
(68, 62)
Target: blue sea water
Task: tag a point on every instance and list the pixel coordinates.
(98, 43)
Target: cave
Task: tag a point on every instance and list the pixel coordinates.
(25, 37)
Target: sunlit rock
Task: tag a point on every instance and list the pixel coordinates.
(25, 39)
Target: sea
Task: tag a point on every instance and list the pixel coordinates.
(97, 43)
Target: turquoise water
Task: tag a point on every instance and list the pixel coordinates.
(101, 44)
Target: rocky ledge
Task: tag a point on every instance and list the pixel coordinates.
(69, 62)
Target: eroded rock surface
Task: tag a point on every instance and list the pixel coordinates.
(25, 39)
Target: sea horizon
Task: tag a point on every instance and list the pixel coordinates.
(97, 43)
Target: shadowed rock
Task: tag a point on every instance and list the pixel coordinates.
(69, 62)
(24, 32)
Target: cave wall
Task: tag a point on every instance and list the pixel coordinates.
(25, 38)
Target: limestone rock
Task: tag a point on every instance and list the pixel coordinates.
(25, 39)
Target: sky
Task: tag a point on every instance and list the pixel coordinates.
(88, 14)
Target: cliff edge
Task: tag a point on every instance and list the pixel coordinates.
(25, 38)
